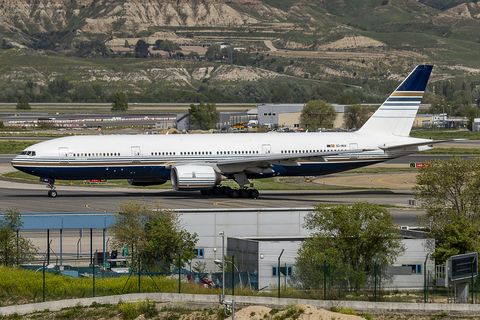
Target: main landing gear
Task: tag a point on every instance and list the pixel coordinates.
(245, 189)
(231, 193)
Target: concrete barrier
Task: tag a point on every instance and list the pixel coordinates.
(361, 306)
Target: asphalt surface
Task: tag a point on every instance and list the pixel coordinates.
(28, 198)
(32, 198)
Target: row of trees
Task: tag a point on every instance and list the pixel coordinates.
(353, 237)
(319, 114)
(262, 91)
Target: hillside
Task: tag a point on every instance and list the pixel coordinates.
(351, 41)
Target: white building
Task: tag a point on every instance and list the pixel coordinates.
(261, 234)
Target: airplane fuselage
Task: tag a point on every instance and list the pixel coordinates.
(147, 156)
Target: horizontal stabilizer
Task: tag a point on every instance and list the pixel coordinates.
(388, 147)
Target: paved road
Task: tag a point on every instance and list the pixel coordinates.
(33, 198)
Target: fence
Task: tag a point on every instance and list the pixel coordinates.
(324, 282)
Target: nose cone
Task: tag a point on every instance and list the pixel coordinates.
(15, 161)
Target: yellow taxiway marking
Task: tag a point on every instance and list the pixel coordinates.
(395, 183)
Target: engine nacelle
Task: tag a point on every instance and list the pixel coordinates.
(145, 182)
(194, 177)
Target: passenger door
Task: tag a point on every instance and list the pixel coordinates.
(136, 154)
(63, 154)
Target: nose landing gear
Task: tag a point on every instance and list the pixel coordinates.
(52, 193)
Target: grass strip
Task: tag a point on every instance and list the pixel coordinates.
(263, 184)
(14, 146)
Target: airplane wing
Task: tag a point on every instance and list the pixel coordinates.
(273, 158)
(263, 163)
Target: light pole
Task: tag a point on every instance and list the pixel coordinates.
(222, 233)
(218, 261)
(443, 115)
(225, 302)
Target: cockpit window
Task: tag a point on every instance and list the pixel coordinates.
(28, 153)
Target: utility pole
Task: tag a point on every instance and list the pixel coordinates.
(230, 50)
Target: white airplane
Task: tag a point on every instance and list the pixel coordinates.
(198, 162)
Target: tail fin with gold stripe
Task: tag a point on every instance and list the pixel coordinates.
(397, 114)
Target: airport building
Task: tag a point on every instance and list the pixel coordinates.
(258, 238)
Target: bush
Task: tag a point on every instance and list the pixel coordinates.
(131, 310)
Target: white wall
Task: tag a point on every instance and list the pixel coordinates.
(246, 224)
(278, 223)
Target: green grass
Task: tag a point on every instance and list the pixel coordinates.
(14, 147)
(444, 134)
(379, 170)
(263, 184)
(452, 151)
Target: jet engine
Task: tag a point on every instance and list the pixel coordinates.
(194, 177)
(145, 182)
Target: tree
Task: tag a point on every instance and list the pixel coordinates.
(449, 191)
(476, 96)
(141, 49)
(120, 102)
(204, 116)
(193, 55)
(59, 87)
(348, 99)
(165, 240)
(435, 102)
(318, 114)
(352, 236)
(23, 104)
(153, 232)
(213, 52)
(14, 249)
(355, 116)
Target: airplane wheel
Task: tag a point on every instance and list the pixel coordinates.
(217, 191)
(52, 194)
(244, 193)
(234, 193)
(254, 193)
(206, 192)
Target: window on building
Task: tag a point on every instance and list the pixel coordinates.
(416, 268)
(288, 271)
(199, 253)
